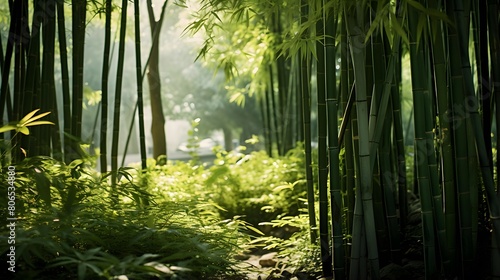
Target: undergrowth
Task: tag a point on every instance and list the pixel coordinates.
(171, 221)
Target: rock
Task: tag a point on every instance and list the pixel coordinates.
(394, 271)
(241, 257)
(268, 260)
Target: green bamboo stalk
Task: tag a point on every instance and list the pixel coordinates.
(79, 11)
(31, 87)
(338, 251)
(6, 65)
(104, 90)
(375, 47)
(448, 249)
(398, 136)
(266, 117)
(44, 135)
(494, 49)
(265, 124)
(472, 10)
(356, 270)
(61, 36)
(347, 82)
(275, 109)
(492, 197)
(420, 85)
(354, 21)
(326, 263)
(284, 75)
(21, 50)
(139, 80)
(118, 91)
(7, 102)
(400, 145)
(430, 124)
(461, 155)
(389, 187)
(306, 117)
(292, 117)
(129, 134)
(390, 151)
(49, 30)
(484, 79)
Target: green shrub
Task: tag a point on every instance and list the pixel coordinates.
(68, 228)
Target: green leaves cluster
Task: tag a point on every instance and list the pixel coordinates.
(29, 120)
(70, 227)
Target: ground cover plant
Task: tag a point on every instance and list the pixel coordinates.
(174, 220)
(72, 225)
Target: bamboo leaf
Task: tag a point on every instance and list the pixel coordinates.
(417, 5)
(379, 21)
(254, 229)
(399, 30)
(34, 118)
(24, 130)
(7, 128)
(39, 123)
(421, 28)
(28, 116)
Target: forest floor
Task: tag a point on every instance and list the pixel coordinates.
(265, 265)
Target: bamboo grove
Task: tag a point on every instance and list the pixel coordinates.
(342, 62)
(325, 69)
(47, 35)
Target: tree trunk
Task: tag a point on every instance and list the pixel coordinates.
(158, 119)
(228, 138)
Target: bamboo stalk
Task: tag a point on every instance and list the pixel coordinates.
(322, 145)
(306, 118)
(338, 251)
(49, 30)
(61, 36)
(79, 10)
(420, 85)
(104, 90)
(358, 57)
(118, 92)
(139, 80)
(448, 248)
(492, 197)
